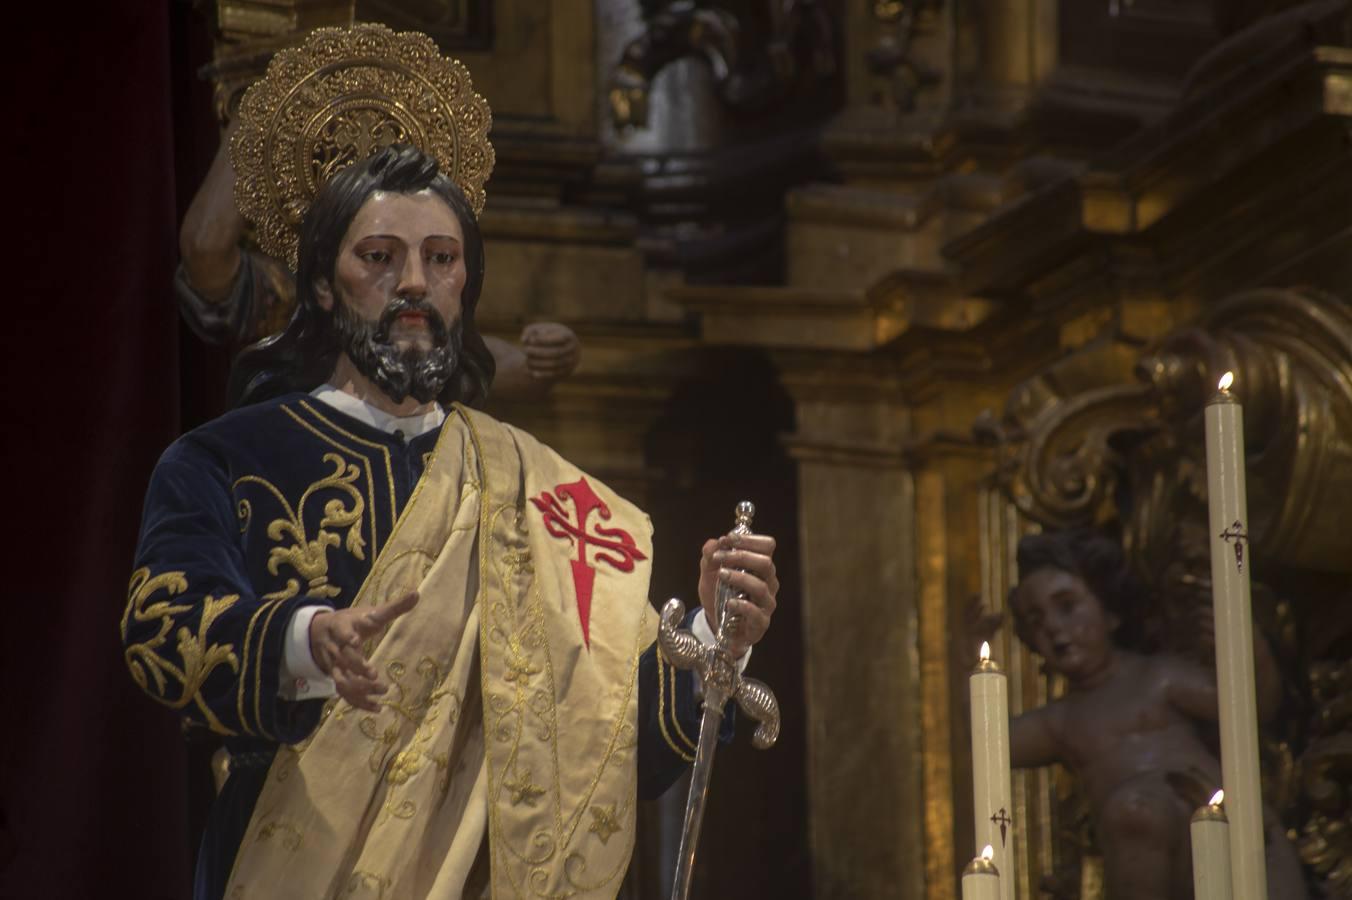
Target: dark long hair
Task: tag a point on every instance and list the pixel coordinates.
(302, 356)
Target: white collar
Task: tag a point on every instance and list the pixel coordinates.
(408, 426)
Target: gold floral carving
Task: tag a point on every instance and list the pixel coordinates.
(309, 557)
(198, 657)
(339, 98)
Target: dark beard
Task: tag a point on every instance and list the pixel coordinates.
(412, 372)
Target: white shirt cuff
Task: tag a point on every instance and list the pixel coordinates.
(300, 677)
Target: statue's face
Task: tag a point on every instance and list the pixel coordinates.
(408, 246)
(1065, 622)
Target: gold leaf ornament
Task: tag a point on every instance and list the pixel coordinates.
(339, 98)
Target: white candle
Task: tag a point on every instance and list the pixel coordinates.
(991, 794)
(1211, 852)
(1230, 563)
(981, 879)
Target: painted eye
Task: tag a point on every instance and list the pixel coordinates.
(443, 259)
(376, 256)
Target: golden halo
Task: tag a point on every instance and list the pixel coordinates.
(341, 97)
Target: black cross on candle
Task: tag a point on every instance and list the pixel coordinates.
(1237, 535)
(1003, 820)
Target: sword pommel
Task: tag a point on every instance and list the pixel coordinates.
(744, 513)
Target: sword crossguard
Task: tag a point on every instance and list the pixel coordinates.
(718, 671)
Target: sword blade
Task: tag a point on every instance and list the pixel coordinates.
(699, 791)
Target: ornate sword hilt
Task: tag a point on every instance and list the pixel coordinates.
(718, 670)
(715, 665)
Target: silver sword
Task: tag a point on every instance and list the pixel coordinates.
(722, 682)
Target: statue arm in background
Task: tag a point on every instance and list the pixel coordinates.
(209, 240)
(549, 353)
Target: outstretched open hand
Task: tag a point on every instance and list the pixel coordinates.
(335, 643)
(756, 582)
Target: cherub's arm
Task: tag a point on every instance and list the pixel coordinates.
(1034, 738)
(1191, 688)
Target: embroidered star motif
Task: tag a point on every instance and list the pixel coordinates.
(520, 669)
(522, 790)
(603, 821)
(519, 562)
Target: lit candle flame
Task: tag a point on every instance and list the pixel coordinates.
(989, 853)
(1226, 380)
(1217, 798)
(985, 650)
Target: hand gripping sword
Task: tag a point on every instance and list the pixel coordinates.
(722, 682)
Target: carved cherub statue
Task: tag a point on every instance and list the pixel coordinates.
(1131, 724)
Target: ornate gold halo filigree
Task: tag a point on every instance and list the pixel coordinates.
(343, 95)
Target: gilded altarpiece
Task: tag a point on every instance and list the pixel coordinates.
(1008, 208)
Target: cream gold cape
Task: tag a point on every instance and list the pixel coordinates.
(512, 711)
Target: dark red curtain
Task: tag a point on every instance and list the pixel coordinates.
(92, 791)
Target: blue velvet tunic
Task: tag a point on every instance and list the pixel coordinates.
(272, 507)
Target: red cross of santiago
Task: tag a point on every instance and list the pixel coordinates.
(612, 546)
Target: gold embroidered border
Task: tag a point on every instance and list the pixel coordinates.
(258, 672)
(685, 754)
(362, 442)
(380, 565)
(366, 462)
(244, 676)
(543, 845)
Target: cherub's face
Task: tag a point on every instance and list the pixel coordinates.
(1064, 622)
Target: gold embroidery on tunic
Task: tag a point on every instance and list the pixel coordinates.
(362, 442)
(258, 672)
(309, 558)
(199, 658)
(662, 707)
(365, 460)
(244, 680)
